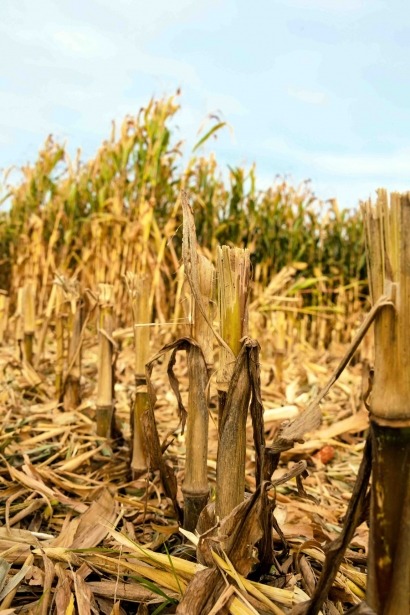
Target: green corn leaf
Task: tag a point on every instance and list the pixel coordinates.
(208, 135)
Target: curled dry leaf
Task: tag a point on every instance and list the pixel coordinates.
(238, 537)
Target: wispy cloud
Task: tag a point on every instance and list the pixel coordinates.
(227, 104)
(312, 97)
(369, 164)
(332, 6)
(83, 42)
(396, 164)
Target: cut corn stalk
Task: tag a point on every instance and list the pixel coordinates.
(48, 314)
(60, 319)
(139, 288)
(4, 313)
(201, 278)
(29, 321)
(19, 331)
(105, 401)
(200, 360)
(72, 387)
(387, 225)
(233, 381)
(230, 469)
(233, 293)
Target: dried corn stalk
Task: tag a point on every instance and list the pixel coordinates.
(200, 360)
(71, 386)
(59, 333)
(29, 320)
(233, 379)
(19, 329)
(105, 387)
(201, 278)
(387, 226)
(139, 288)
(4, 313)
(233, 292)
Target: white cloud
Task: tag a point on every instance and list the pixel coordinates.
(334, 6)
(225, 103)
(312, 97)
(395, 164)
(83, 42)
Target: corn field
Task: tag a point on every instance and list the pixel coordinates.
(185, 385)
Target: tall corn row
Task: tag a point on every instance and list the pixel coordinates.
(87, 219)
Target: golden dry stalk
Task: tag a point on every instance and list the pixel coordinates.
(4, 314)
(200, 360)
(139, 289)
(233, 378)
(230, 470)
(29, 320)
(387, 227)
(233, 293)
(233, 271)
(59, 333)
(105, 384)
(200, 275)
(19, 328)
(72, 386)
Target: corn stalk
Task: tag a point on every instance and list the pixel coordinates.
(200, 360)
(233, 292)
(200, 275)
(4, 313)
(29, 320)
(19, 327)
(139, 287)
(105, 386)
(72, 386)
(233, 380)
(387, 226)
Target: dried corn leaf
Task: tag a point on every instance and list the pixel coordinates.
(130, 592)
(90, 528)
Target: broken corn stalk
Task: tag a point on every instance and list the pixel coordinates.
(105, 401)
(387, 228)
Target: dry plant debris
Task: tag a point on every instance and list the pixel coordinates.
(79, 534)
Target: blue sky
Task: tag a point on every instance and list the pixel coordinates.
(314, 89)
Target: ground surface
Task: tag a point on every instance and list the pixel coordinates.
(64, 497)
